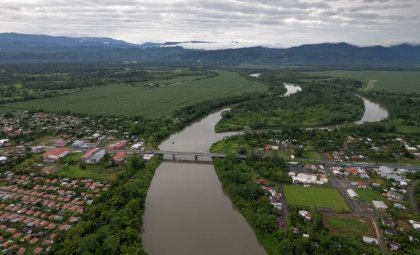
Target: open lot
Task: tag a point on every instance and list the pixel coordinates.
(392, 81)
(148, 102)
(368, 195)
(348, 225)
(314, 198)
(91, 171)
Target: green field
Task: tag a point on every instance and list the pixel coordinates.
(91, 172)
(392, 81)
(368, 195)
(349, 226)
(314, 197)
(148, 102)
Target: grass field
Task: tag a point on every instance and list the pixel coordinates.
(392, 81)
(314, 197)
(148, 102)
(368, 195)
(347, 225)
(91, 171)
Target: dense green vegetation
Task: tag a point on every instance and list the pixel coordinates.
(314, 197)
(322, 104)
(238, 180)
(113, 224)
(391, 81)
(143, 101)
(315, 141)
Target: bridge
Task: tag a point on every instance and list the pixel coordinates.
(196, 155)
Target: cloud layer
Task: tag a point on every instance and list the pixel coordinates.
(267, 22)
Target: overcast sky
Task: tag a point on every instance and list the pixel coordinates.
(279, 23)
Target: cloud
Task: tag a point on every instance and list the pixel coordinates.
(250, 22)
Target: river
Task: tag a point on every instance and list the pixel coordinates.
(186, 209)
(373, 112)
(187, 212)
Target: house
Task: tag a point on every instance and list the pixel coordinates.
(119, 157)
(59, 143)
(388, 222)
(148, 156)
(261, 181)
(77, 144)
(120, 144)
(352, 171)
(370, 240)
(399, 206)
(137, 146)
(415, 224)
(394, 246)
(89, 153)
(352, 193)
(55, 154)
(96, 157)
(306, 215)
(379, 205)
(3, 159)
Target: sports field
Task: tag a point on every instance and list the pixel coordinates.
(392, 81)
(314, 197)
(148, 102)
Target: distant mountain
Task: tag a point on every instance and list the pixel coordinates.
(18, 48)
(326, 54)
(186, 42)
(13, 42)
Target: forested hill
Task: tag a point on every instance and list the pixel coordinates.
(327, 54)
(18, 48)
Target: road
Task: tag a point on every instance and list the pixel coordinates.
(357, 211)
(412, 196)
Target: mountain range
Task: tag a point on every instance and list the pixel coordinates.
(18, 48)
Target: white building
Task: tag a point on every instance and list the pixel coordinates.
(352, 193)
(379, 205)
(370, 240)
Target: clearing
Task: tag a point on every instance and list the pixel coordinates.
(91, 172)
(348, 225)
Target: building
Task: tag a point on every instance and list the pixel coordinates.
(60, 143)
(415, 224)
(77, 144)
(370, 240)
(3, 159)
(352, 193)
(96, 157)
(306, 215)
(119, 157)
(120, 144)
(55, 154)
(137, 146)
(89, 153)
(147, 157)
(379, 205)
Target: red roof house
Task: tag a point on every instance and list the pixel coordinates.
(119, 157)
(55, 154)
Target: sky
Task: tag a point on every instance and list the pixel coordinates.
(227, 23)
